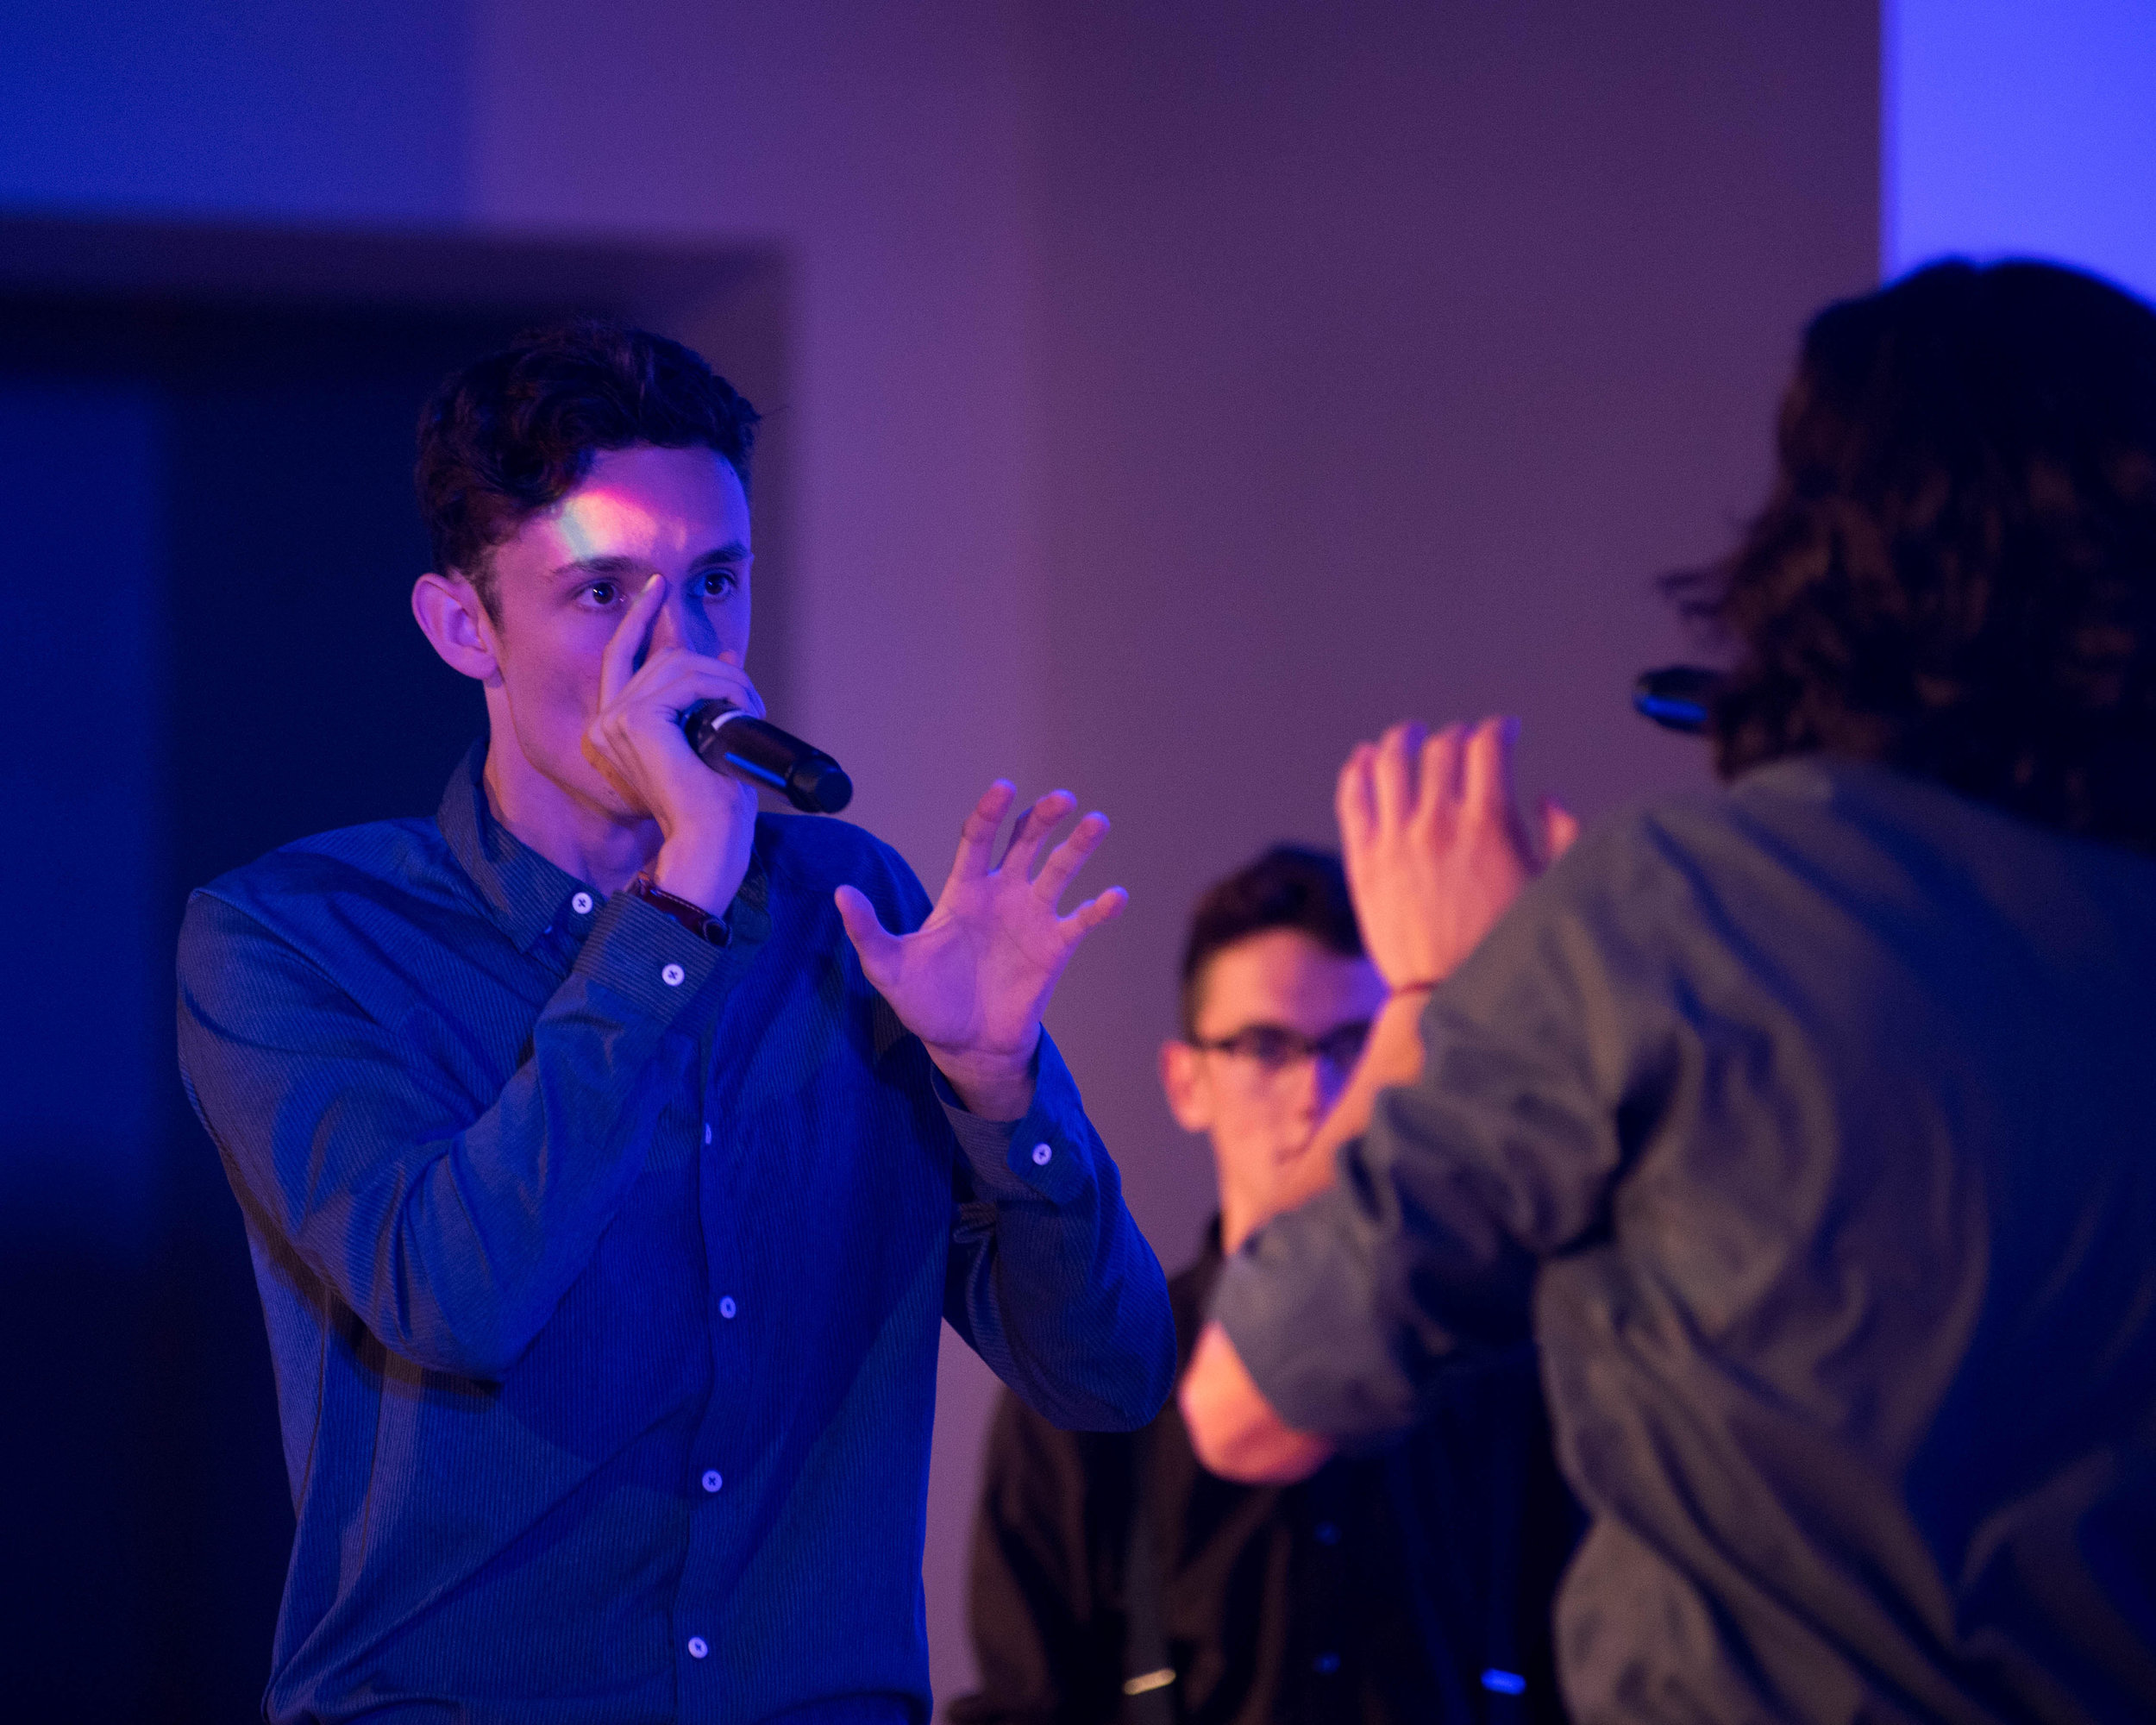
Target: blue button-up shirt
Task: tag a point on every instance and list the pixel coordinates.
(604, 1268)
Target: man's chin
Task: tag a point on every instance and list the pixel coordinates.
(579, 782)
(594, 796)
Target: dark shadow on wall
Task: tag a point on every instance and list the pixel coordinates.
(210, 537)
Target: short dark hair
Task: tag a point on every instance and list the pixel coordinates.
(1956, 570)
(514, 433)
(1289, 887)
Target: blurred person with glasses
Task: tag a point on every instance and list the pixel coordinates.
(1114, 1578)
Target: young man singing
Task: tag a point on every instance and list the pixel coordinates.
(609, 1163)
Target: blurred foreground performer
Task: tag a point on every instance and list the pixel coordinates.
(1811, 1120)
(1114, 1578)
(608, 1167)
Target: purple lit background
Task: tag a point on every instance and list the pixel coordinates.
(1163, 397)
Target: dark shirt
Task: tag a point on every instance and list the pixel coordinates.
(1380, 1591)
(604, 1268)
(1815, 1119)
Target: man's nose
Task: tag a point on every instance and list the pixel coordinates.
(1311, 1083)
(1327, 1079)
(680, 623)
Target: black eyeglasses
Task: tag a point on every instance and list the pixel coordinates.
(1274, 1048)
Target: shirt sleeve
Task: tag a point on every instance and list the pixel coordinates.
(1536, 1053)
(1050, 1280)
(452, 1226)
(1046, 1651)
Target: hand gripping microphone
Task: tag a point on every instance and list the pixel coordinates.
(731, 740)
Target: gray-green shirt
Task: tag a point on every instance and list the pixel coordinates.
(1809, 1124)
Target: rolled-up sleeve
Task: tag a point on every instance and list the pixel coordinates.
(451, 1225)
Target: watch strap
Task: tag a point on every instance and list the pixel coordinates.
(692, 917)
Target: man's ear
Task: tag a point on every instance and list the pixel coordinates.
(456, 624)
(1182, 1076)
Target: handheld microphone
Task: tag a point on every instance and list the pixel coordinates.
(1677, 697)
(727, 738)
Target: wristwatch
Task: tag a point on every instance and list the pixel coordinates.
(695, 917)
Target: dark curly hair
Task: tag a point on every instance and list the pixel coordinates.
(1289, 887)
(515, 432)
(1956, 570)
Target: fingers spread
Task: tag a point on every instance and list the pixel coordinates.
(1487, 788)
(1067, 858)
(1442, 770)
(1394, 772)
(1094, 912)
(1354, 797)
(976, 838)
(617, 664)
(1560, 828)
(1033, 828)
(877, 945)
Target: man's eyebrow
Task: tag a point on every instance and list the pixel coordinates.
(594, 569)
(613, 567)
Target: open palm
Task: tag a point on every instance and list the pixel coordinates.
(972, 980)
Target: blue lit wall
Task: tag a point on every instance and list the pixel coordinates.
(85, 1009)
(2021, 127)
(257, 107)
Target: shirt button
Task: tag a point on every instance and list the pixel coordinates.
(1328, 1532)
(707, 1132)
(1325, 1664)
(1041, 1153)
(726, 1307)
(672, 975)
(582, 904)
(712, 1481)
(699, 1646)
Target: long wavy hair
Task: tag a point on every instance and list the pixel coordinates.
(1956, 570)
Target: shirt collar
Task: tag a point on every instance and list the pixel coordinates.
(525, 893)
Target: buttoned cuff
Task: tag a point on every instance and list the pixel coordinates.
(1048, 1153)
(639, 952)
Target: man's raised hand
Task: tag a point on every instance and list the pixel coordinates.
(1436, 845)
(706, 820)
(972, 980)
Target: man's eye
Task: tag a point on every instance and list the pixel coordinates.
(1344, 1046)
(603, 592)
(719, 582)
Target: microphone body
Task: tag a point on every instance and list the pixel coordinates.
(1677, 697)
(729, 740)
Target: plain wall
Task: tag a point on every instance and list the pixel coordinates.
(1175, 393)
(2019, 130)
(1386, 354)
